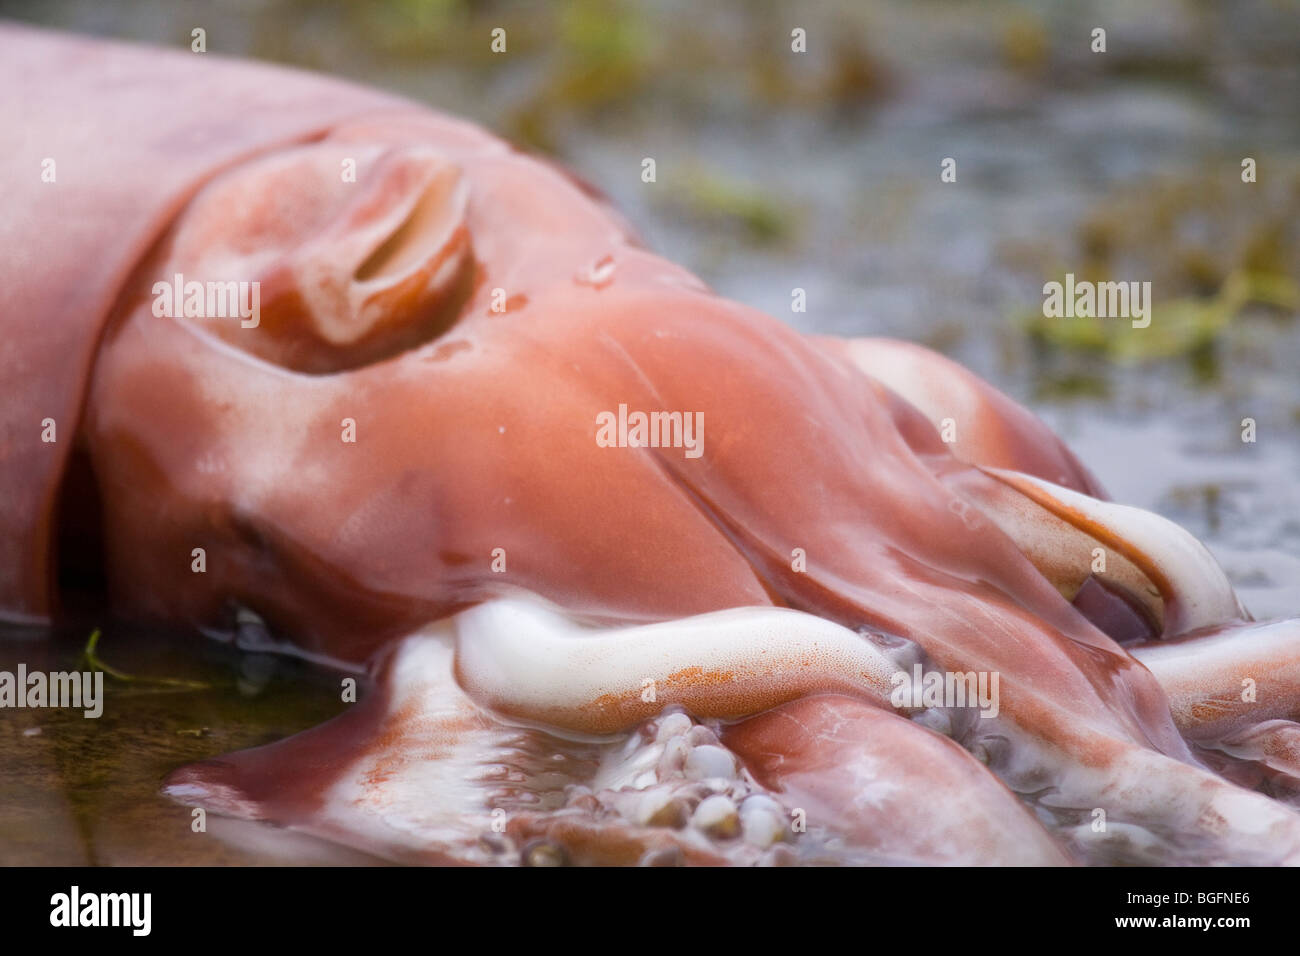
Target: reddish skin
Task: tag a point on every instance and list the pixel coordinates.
(475, 429)
(130, 147)
(816, 753)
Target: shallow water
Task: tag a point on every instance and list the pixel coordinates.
(78, 790)
(820, 174)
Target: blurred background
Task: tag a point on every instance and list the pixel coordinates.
(821, 170)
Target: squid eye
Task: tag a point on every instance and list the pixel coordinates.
(1116, 613)
(347, 270)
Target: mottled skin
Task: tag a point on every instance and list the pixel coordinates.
(475, 431)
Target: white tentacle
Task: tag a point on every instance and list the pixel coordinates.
(524, 659)
(1194, 590)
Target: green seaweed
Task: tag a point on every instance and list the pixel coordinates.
(93, 661)
(712, 197)
(1179, 328)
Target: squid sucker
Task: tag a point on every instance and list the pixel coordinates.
(637, 574)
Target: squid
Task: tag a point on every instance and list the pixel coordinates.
(578, 644)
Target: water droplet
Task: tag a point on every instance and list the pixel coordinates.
(599, 274)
